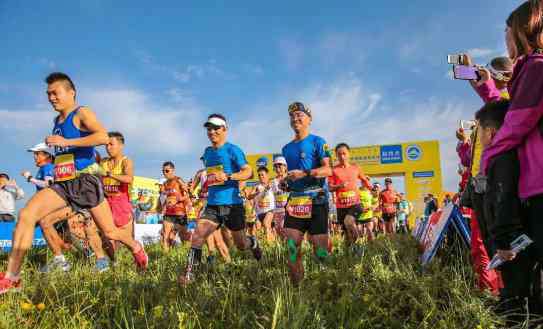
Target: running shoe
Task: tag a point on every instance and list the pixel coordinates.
(7, 285)
(141, 259)
(55, 265)
(102, 265)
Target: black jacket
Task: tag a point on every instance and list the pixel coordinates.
(502, 206)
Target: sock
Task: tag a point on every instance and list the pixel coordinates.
(321, 254)
(292, 250)
(60, 258)
(13, 277)
(194, 258)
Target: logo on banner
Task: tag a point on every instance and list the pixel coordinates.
(262, 162)
(391, 154)
(413, 152)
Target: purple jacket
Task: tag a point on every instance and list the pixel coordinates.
(520, 129)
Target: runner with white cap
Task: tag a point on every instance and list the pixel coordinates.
(281, 196)
(226, 166)
(43, 158)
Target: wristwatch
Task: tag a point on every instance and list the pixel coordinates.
(307, 172)
(229, 177)
(29, 178)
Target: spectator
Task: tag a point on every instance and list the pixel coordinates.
(431, 205)
(9, 192)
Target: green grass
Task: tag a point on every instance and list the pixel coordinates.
(386, 288)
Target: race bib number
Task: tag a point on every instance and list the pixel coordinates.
(300, 207)
(112, 189)
(171, 200)
(347, 199)
(64, 167)
(389, 208)
(212, 175)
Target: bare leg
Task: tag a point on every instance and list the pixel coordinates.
(104, 219)
(221, 245)
(54, 241)
(40, 205)
(270, 236)
(167, 229)
(294, 245)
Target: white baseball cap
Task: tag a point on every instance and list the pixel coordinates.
(41, 147)
(215, 121)
(280, 160)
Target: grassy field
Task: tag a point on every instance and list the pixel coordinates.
(386, 288)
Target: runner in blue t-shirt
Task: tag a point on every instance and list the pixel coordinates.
(44, 161)
(225, 166)
(308, 163)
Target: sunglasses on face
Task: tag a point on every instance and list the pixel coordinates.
(213, 128)
(166, 171)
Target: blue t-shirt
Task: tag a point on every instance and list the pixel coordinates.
(47, 170)
(305, 155)
(403, 205)
(229, 158)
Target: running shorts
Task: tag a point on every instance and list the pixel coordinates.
(176, 219)
(388, 217)
(317, 224)
(231, 216)
(83, 192)
(354, 211)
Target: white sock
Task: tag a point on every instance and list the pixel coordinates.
(60, 258)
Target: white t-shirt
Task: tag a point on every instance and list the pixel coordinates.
(265, 200)
(281, 197)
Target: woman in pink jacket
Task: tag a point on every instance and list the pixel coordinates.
(523, 127)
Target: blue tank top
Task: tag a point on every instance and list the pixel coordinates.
(83, 156)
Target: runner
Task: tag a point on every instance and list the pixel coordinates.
(378, 224)
(118, 174)
(264, 200)
(76, 132)
(281, 197)
(43, 158)
(388, 200)
(308, 162)
(403, 213)
(174, 207)
(225, 166)
(365, 220)
(249, 206)
(344, 182)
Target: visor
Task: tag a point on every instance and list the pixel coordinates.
(41, 147)
(297, 106)
(280, 160)
(214, 121)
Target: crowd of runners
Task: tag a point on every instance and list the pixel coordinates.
(83, 200)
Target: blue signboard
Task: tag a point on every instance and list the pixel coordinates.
(391, 154)
(423, 174)
(6, 233)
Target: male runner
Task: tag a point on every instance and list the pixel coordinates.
(175, 206)
(118, 174)
(264, 199)
(281, 196)
(76, 132)
(344, 182)
(308, 162)
(388, 201)
(226, 165)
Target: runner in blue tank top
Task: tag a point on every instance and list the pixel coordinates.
(76, 132)
(308, 163)
(225, 166)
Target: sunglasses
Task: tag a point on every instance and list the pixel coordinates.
(166, 171)
(213, 128)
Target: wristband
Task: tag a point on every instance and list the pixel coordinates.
(307, 172)
(29, 178)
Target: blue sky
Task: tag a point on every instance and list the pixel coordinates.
(373, 72)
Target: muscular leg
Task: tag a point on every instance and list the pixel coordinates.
(221, 245)
(294, 246)
(104, 219)
(95, 241)
(40, 205)
(227, 237)
(167, 229)
(50, 234)
(270, 236)
(351, 232)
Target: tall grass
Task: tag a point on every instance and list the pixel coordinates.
(385, 288)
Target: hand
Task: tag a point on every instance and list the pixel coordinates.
(506, 255)
(26, 174)
(461, 135)
(221, 177)
(466, 60)
(56, 140)
(296, 174)
(484, 75)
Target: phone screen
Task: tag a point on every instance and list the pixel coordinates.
(462, 72)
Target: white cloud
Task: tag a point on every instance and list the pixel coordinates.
(345, 110)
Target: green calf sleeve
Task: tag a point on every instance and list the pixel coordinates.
(292, 250)
(321, 254)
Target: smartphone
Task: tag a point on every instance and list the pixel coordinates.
(455, 59)
(467, 124)
(463, 72)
